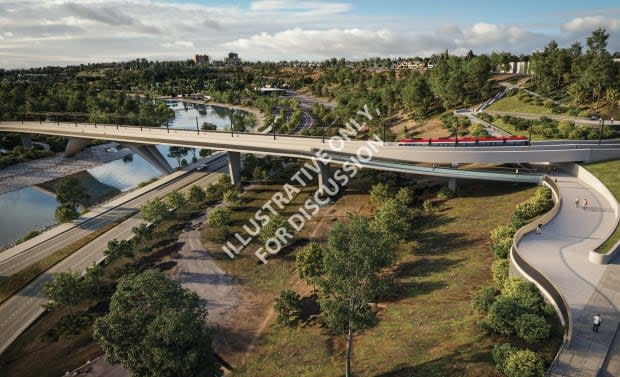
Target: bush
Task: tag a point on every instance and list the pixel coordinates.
(427, 206)
(532, 328)
(525, 293)
(445, 193)
(500, 271)
(66, 213)
(484, 298)
(502, 316)
(524, 212)
(501, 241)
(288, 307)
(524, 363)
(500, 355)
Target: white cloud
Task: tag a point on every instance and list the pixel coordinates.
(589, 23)
(68, 31)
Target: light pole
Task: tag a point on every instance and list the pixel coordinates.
(600, 133)
(197, 129)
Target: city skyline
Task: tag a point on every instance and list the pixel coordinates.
(50, 32)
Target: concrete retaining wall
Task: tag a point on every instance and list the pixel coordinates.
(584, 174)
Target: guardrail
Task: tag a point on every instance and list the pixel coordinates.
(543, 283)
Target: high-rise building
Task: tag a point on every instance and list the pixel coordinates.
(201, 59)
(232, 59)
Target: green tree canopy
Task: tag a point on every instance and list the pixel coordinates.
(66, 289)
(353, 261)
(155, 328)
(69, 191)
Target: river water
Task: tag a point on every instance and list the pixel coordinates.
(32, 208)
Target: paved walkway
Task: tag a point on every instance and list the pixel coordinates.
(561, 253)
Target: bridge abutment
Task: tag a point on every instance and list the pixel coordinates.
(452, 184)
(152, 155)
(234, 167)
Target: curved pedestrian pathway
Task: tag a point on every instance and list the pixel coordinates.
(561, 253)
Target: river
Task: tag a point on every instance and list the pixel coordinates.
(33, 208)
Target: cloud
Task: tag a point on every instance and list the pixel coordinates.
(589, 23)
(69, 31)
(307, 6)
(109, 16)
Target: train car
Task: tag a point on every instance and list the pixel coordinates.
(465, 141)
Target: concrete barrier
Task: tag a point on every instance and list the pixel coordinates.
(584, 174)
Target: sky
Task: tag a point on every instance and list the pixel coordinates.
(59, 32)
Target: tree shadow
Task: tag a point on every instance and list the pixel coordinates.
(425, 266)
(440, 243)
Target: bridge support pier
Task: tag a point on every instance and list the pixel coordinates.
(75, 145)
(234, 167)
(452, 184)
(152, 155)
(323, 176)
(26, 140)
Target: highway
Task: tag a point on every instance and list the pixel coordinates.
(26, 257)
(21, 310)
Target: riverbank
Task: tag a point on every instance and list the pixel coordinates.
(29, 173)
(257, 113)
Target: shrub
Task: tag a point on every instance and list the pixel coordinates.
(445, 193)
(532, 328)
(525, 293)
(524, 363)
(502, 316)
(501, 241)
(524, 212)
(500, 355)
(484, 298)
(288, 307)
(66, 213)
(427, 206)
(500, 271)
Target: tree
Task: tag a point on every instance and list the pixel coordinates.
(142, 232)
(288, 307)
(404, 196)
(178, 153)
(156, 328)
(268, 230)
(502, 316)
(65, 213)
(219, 216)
(484, 298)
(93, 278)
(66, 289)
(205, 153)
(155, 211)
(70, 192)
(380, 193)
(500, 354)
(353, 261)
(196, 194)
(175, 200)
(231, 196)
(116, 249)
(391, 220)
(309, 263)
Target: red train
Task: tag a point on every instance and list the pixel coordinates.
(465, 141)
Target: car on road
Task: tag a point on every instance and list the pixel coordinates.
(203, 166)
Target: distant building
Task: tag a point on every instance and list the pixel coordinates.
(232, 59)
(201, 59)
(521, 67)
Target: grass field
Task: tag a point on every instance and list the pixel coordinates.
(609, 173)
(513, 104)
(427, 327)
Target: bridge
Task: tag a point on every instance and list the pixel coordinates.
(339, 150)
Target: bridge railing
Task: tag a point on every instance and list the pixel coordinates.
(538, 278)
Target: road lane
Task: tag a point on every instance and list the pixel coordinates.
(21, 310)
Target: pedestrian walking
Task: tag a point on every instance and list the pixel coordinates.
(553, 170)
(596, 322)
(539, 228)
(517, 171)
(585, 204)
(577, 202)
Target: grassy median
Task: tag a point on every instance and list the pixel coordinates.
(17, 281)
(608, 173)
